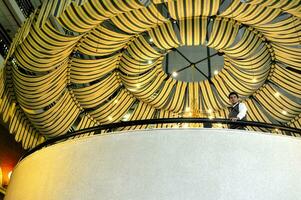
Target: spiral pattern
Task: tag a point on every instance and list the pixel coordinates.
(80, 64)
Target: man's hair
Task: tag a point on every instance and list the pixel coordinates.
(233, 93)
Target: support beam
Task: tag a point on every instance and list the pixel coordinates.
(208, 58)
(182, 55)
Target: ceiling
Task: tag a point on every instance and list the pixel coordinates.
(10, 17)
(73, 66)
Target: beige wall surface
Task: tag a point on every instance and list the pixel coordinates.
(175, 164)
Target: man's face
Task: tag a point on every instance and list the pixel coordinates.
(233, 99)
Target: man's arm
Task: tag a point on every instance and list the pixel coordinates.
(242, 111)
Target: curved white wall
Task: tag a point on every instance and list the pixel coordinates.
(175, 164)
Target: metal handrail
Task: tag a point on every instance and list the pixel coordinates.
(2, 190)
(98, 129)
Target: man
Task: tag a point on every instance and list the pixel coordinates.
(238, 111)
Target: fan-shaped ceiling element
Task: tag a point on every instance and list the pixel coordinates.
(80, 64)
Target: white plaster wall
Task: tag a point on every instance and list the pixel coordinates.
(175, 164)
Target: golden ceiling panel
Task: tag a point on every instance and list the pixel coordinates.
(164, 36)
(75, 64)
(193, 30)
(191, 8)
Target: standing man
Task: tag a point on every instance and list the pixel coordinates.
(238, 111)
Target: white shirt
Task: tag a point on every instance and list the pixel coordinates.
(242, 110)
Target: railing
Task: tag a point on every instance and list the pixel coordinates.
(2, 190)
(285, 130)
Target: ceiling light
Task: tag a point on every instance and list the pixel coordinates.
(187, 109)
(254, 80)
(9, 174)
(132, 89)
(126, 117)
(110, 118)
(149, 62)
(209, 110)
(277, 94)
(116, 101)
(215, 72)
(174, 74)
(284, 112)
(150, 39)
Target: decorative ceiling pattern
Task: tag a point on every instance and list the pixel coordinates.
(78, 64)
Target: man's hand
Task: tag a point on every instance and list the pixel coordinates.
(234, 119)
